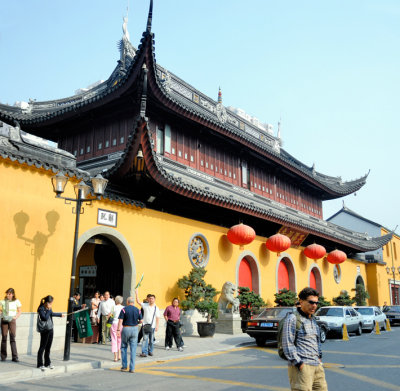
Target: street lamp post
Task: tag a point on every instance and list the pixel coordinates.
(82, 191)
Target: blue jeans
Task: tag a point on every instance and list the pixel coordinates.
(147, 344)
(129, 337)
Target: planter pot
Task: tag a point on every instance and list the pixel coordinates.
(206, 329)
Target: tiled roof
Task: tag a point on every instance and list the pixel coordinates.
(193, 102)
(50, 159)
(206, 188)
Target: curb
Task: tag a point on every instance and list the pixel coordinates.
(36, 373)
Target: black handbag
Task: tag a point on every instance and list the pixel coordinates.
(43, 325)
(147, 329)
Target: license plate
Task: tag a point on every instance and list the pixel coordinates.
(266, 324)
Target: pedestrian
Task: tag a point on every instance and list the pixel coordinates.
(94, 307)
(45, 328)
(151, 319)
(76, 306)
(129, 318)
(116, 339)
(302, 347)
(140, 336)
(99, 320)
(172, 316)
(105, 312)
(10, 309)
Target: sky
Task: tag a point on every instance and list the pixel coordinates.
(328, 70)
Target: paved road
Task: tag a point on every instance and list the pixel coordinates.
(366, 363)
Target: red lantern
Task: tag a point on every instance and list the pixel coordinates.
(278, 243)
(241, 234)
(336, 256)
(314, 251)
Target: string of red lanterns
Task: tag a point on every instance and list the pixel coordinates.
(242, 234)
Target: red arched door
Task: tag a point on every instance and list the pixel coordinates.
(283, 276)
(245, 276)
(313, 280)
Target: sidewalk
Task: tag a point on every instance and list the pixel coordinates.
(85, 357)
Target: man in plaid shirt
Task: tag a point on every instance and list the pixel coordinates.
(303, 352)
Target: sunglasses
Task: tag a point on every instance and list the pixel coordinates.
(312, 302)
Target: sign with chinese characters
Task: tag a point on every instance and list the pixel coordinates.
(87, 271)
(296, 237)
(106, 217)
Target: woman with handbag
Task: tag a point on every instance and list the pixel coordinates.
(10, 309)
(45, 328)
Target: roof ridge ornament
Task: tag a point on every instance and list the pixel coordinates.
(150, 17)
(219, 95)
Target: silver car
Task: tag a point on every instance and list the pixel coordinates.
(337, 316)
(371, 316)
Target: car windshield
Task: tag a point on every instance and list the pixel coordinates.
(392, 308)
(275, 312)
(365, 311)
(330, 312)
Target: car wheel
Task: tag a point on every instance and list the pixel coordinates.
(260, 341)
(322, 334)
(384, 326)
(359, 330)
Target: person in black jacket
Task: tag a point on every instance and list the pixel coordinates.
(46, 314)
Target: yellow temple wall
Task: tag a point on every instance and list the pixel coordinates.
(37, 240)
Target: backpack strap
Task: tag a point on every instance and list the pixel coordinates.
(299, 324)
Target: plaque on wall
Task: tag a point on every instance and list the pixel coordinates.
(198, 250)
(337, 273)
(88, 271)
(107, 217)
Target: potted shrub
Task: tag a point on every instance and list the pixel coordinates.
(285, 298)
(343, 299)
(200, 296)
(250, 302)
(361, 295)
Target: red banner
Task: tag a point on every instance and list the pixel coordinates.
(296, 237)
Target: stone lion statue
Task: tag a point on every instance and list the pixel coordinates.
(227, 302)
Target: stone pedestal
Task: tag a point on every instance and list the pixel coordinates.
(189, 321)
(228, 324)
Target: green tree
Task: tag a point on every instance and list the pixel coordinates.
(361, 295)
(285, 298)
(322, 302)
(343, 299)
(198, 294)
(249, 302)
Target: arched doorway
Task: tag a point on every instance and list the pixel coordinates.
(285, 277)
(99, 268)
(107, 250)
(245, 277)
(315, 279)
(247, 274)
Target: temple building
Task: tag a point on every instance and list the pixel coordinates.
(182, 170)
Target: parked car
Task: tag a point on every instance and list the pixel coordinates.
(371, 316)
(336, 316)
(392, 312)
(264, 327)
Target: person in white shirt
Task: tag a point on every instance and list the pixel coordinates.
(105, 310)
(151, 316)
(10, 310)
